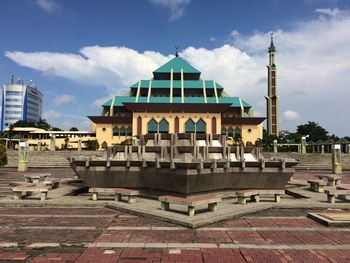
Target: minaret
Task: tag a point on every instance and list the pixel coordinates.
(272, 99)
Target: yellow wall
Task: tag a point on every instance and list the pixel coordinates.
(170, 117)
(107, 134)
(256, 131)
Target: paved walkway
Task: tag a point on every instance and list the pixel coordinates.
(95, 234)
(105, 235)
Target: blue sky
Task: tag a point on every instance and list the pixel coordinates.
(80, 53)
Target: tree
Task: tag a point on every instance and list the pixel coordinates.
(74, 129)
(42, 124)
(104, 145)
(55, 129)
(314, 130)
(3, 156)
(66, 141)
(22, 123)
(92, 145)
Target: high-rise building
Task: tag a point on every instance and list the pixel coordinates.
(20, 102)
(272, 98)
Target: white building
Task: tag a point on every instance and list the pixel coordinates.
(20, 102)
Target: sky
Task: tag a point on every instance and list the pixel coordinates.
(82, 52)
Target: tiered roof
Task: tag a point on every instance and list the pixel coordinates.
(177, 82)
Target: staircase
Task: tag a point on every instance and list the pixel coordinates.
(311, 161)
(48, 159)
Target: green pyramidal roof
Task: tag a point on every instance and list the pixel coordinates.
(177, 64)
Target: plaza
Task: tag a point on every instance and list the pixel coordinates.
(70, 227)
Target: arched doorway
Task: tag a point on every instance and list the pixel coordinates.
(139, 125)
(177, 124)
(213, 125)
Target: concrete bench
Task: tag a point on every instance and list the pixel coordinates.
(317, 185)
(191, 203)
(28, 190)
(117, 192)
(277, 193)
(129, 193)
(334, 193)
(35, 177)
(52, 183)
(244, 195)
(254, 195)
(332, 179)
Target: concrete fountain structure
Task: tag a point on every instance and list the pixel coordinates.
(184, 165)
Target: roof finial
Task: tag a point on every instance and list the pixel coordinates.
(177, 51)
(272, 45)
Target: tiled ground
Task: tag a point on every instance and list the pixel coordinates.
(96, 234)
(262, 237)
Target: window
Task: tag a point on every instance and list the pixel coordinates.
(201, 126)
(152, 126)
(163, 126)
(8, 100)
(190, 126)
(16, 93)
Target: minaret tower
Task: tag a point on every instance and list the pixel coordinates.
(272, 98)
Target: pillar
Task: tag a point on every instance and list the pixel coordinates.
(79, 144)
(303, 144)
(347, 148)
(23, 157)
(53, 143)
(336, 159)
(39, 146)
(275, 146)
(322, 149)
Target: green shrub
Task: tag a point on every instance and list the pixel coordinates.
(249, 143)
(3, 156)
(92, 145)
(104, 145)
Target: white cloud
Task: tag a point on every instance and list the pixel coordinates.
(49, 6)
(51, 114)
(65, 98)
(313, 62)
(331, 12)
(177, 7)
(290, 115)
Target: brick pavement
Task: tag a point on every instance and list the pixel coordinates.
(263, 237)
(96, 234)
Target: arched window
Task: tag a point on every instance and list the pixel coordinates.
(164, 126)
(201, 126)
(116, 131)
(128, 131)
(122, 131)
(237, 131)
(177, 125)
(224, 131)
(190, 126)
(152, 126)
(230, 131)
(139, 125)
(213, 125)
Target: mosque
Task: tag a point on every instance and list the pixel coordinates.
(178, 100)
